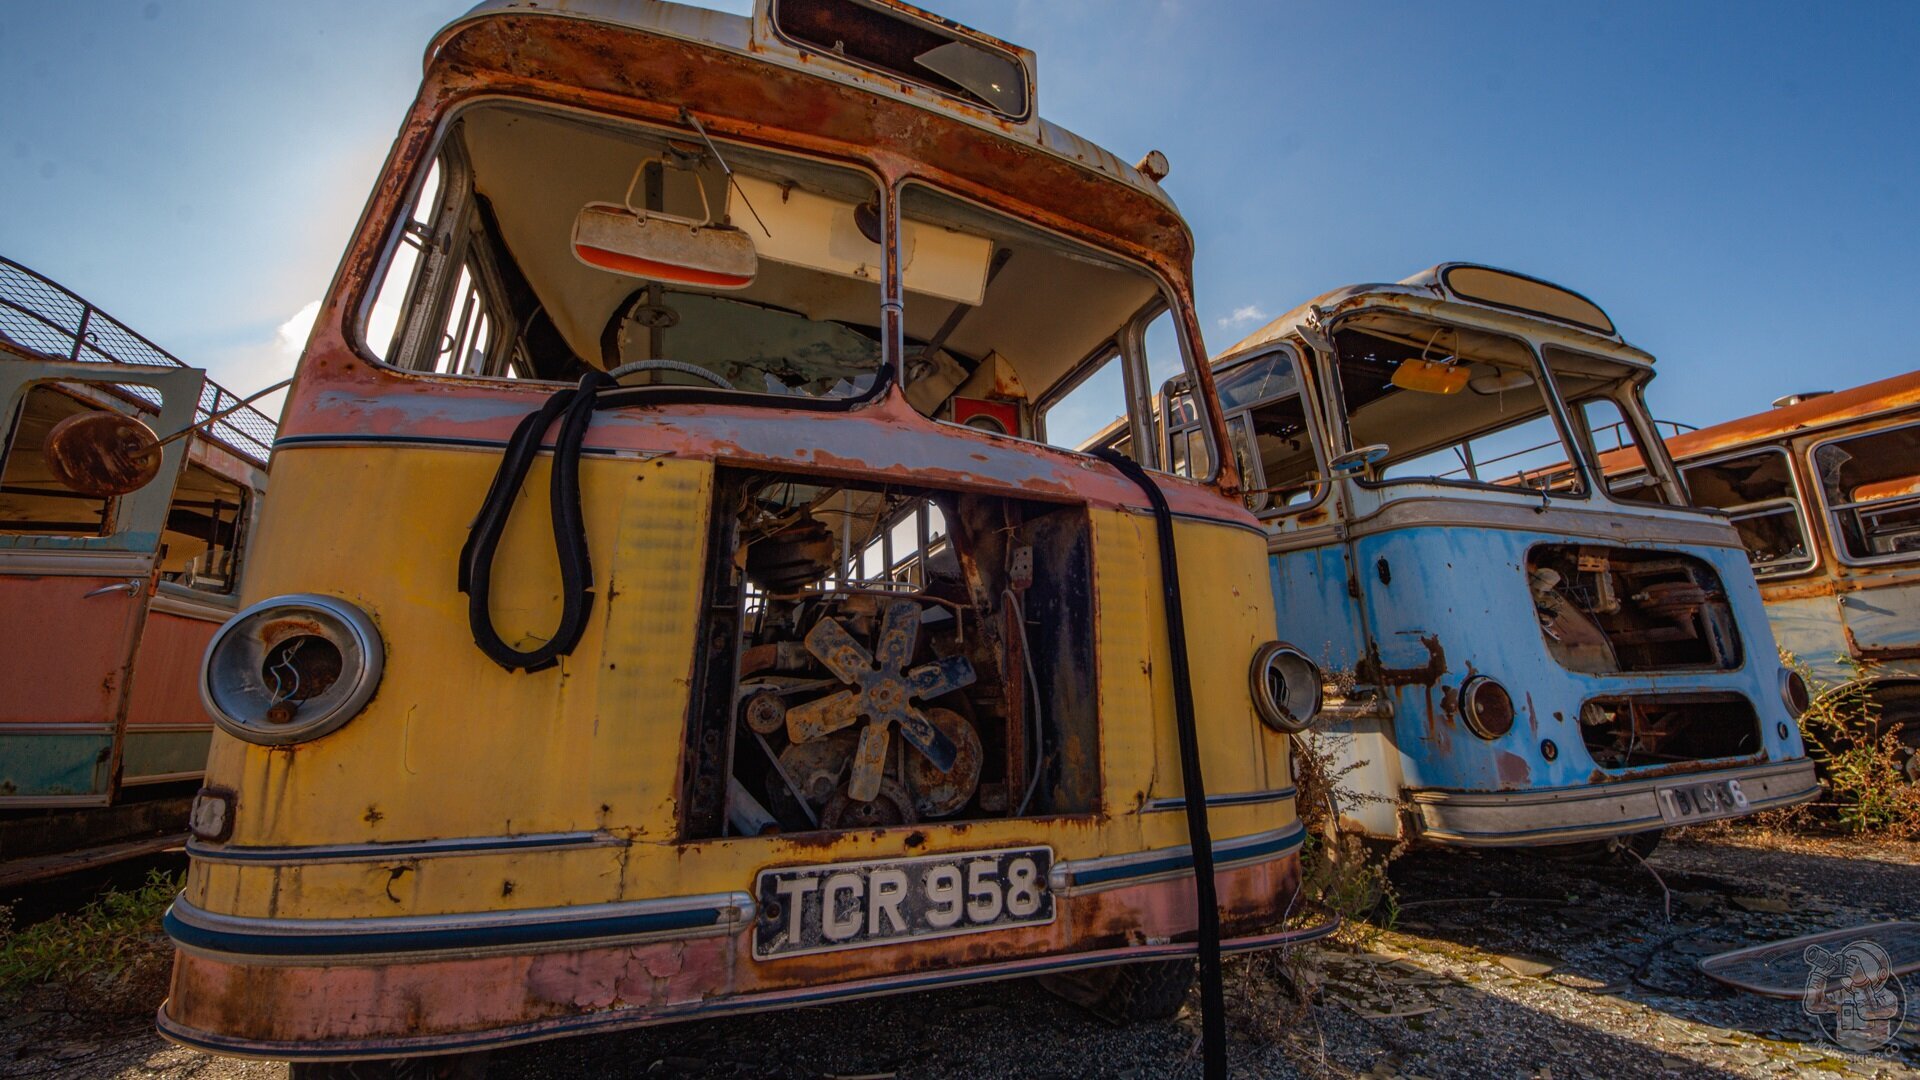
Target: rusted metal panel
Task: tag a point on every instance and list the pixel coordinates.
(1828, 410)
(222, 1001)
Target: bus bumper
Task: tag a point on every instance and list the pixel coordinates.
(1597, 811)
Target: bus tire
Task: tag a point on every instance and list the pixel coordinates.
(1152, 990)
(439, 1067)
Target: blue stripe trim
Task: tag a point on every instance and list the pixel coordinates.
(470, 845)
(374, 941)
(1238, 798)
(1174, 860)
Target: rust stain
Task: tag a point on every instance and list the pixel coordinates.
(1514, 770)
(1426, 674)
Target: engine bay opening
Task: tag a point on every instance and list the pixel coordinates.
(878, 655)
(1605, 610)
(1662, 729)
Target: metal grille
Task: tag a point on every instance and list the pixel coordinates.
(41, 317)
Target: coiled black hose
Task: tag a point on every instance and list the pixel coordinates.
(1193, 788)
(569, 528)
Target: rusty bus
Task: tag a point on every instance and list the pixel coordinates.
(846, 682)
(1825, 491)
(108, 596)
(1517, 654)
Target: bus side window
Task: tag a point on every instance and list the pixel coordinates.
(1756, 490)
(1871, 484)
(31, 500)
(1621, 458)
(200, 548)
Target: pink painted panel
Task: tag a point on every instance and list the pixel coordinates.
(61, 651)
(166, 670)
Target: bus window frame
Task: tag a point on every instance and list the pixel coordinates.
(1341, 432)
(1255, 478)
(1832, 510)
(365, 291)
(1798, 499)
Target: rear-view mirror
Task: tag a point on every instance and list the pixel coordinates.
(102, 454)
(1430, 377)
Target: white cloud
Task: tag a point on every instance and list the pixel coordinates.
(291, 337)
(1243, 315)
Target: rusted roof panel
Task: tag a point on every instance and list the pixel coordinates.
(1898, 392)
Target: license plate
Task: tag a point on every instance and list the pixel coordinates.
(1681, 803)
(812, 909)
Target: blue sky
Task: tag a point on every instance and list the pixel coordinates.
(1738, 185)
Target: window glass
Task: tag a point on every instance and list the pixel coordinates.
(200, 548)
(1871, 484)
(31, 500)
(1756, 490)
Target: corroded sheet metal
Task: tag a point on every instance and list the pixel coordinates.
(1842, 406)
(223, 1002)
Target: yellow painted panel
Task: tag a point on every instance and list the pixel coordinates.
(453, 745)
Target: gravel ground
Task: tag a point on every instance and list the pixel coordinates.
(1499, 965)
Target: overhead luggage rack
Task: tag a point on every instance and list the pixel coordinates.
(43, 318)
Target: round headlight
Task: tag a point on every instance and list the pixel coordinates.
(1794, 692)
(1286, 687)
(291, 668)
(1487, 707)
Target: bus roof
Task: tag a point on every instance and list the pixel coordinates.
(758, 37)
(1488, 288)
(1886, 395)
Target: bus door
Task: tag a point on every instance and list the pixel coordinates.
(76, 574)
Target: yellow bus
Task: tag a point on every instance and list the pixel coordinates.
(670, 604)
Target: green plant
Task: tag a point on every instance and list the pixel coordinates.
(109, 956)
(1340, 871)
(1861, 759)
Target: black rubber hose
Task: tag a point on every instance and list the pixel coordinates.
(1213, 996)
(569, 528)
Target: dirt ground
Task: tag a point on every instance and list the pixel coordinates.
(1498, 965)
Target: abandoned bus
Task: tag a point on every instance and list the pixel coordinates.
(669, 606)
(1825, 491)
(110, 586)
(1516, 655)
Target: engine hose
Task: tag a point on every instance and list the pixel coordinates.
(575, 406)
(1213, 998)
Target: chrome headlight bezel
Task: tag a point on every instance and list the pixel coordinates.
(1795, 694)
(1482, 712)
(234, 686)
(1291, 705)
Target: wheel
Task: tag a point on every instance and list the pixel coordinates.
(439, 1067)
(1613, 851)
(1127, 993)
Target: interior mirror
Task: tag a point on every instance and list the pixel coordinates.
(102, 454)
(1430, 376)
(623, 239)
(1359, 458)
